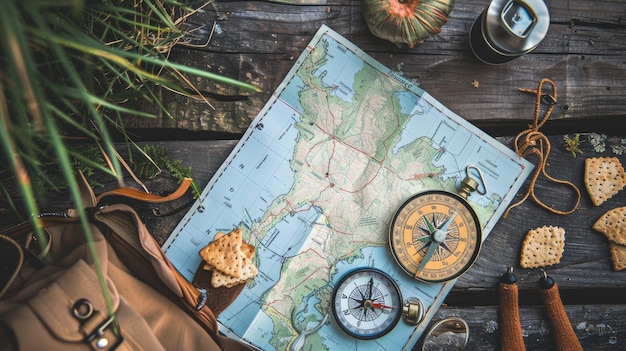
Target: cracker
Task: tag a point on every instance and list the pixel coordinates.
(249, 271)
(613, 225)
(208, 267)
(224, 254)
(216, 259)
(604, 177)
(618, 256)
(246, 248)
(542, 247)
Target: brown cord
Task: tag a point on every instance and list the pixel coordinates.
(532, 141)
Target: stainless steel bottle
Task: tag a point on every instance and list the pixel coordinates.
(508, 29)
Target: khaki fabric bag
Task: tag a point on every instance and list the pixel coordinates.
(59, 304)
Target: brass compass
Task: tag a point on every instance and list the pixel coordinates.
(435, 236)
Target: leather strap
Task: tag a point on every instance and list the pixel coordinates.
(90, 199)
(136, 194)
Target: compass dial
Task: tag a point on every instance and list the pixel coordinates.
(367, 303)
(435, 236)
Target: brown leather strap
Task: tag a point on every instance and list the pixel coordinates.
(136, 194)
(90, 200)
(193, 298)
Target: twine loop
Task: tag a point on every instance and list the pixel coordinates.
(533, 142)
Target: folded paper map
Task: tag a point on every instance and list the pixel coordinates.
(314, 183)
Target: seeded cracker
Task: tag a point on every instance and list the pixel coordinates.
(246, 248)
(604, 177)
(225, 255)
(249, 271)
(542, 247)
(220, 275)
(613, 225)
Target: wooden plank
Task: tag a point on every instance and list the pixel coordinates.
(598, 327)
(258, 42)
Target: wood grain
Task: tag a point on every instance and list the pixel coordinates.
(598, 327)
(258, 42)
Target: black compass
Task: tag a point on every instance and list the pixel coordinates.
(367, 303)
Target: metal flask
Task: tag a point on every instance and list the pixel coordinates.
(508, 29)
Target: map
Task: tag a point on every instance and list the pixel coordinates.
(314, 183)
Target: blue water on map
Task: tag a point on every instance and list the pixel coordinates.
(408, 100)
(290, 95)
(287, 236)
(340, 71)
(420, 122)
(284, 240)
(274, 142)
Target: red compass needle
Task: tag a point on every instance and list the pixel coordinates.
(381, 306)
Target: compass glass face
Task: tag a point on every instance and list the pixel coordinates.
(367, 303)
(435, 236)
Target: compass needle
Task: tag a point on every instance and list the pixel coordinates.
(430, 225)
(429, 254)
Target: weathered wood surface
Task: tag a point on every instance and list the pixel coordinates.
(258, 42)
(598, 327)
(594, 294)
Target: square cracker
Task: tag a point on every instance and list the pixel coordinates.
(604, 177)
(224, 254)
(247, 249)
(249, 271)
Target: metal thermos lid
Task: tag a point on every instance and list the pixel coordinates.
(509, 28)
